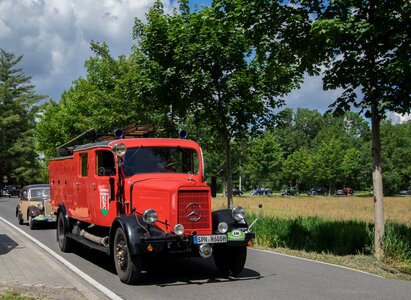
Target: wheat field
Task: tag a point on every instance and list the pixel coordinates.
(396, 209)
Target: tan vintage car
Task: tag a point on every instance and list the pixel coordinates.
(34, 205)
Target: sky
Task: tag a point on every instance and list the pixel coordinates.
(54, 38)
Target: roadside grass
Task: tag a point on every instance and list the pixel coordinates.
(11, 294)
(332, 229)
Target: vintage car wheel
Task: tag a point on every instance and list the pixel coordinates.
(128, 267)
(19, 217)
(230, 261)
(65, 243)
(32, 223)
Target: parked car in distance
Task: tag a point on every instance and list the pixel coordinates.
(261, 191)
(317, 191)
(290, 191)
(4, 193)
(405, 192)
(236, 192)
(345, 192)
(34, 205)
(12, 190)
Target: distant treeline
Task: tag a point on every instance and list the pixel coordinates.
(307, 149)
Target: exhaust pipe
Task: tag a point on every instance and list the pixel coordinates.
(205, 250)
(94, 238)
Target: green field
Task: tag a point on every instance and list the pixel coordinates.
(333, 229)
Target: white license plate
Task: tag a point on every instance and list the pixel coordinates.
(210, 239)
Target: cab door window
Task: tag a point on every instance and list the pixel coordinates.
(105, 165)
(83, 164)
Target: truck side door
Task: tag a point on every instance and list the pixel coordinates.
(82, 183)
(102, 203)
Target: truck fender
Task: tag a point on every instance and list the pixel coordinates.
(225, 215)
(132, 229)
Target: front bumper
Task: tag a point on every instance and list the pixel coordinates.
(173, 244)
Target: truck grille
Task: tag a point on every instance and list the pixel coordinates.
(193, 210)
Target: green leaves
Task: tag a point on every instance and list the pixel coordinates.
(18, 158)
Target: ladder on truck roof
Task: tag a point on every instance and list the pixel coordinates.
(129, 131)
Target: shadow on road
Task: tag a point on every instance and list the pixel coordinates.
(6, 244)
(166, 271)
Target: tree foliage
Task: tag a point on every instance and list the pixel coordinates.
(206, 64)
(18, 157)
(365, 47)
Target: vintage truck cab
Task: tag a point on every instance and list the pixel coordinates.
(134, 197)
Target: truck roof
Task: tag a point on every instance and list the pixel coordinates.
(134, 142)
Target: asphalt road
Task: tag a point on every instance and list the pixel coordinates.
(266, 275)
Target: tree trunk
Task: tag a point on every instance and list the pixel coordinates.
(229, 172)
(377, 184)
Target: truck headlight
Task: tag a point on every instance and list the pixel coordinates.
(222, 227)
(238, 213)
(179, 229)
(119, 149)
(150, 216)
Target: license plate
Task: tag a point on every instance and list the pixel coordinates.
(210, 239)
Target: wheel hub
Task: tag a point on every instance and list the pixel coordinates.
(121, 254)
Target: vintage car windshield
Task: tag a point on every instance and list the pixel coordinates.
(161, 160)
(40, 194)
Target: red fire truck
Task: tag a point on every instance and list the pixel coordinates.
(134, 197)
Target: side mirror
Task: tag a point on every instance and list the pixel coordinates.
(111, 183)
(213, 186)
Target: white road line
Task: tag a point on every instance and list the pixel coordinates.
(68, 264)
(315, 261)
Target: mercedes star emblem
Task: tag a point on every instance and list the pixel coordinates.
(194, 212)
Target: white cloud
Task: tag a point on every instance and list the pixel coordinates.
(311, 95)
(54, 35)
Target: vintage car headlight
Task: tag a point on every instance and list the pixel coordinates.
(150, 216)
(119, 149)
(238, 213)
(179, 229)
(40, 205)
(222, 227)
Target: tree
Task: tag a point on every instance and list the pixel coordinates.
(396, 156)
(364, 46)
(327, 161)
(264, 161)
(298, 167)
(18, 157)
(207, 65)
(108, 98)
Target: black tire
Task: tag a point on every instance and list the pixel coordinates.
(128, 267)
(20, 219)
(65, 243)
(32, 223)
(230, 261)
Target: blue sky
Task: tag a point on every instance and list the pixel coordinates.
(54, 38)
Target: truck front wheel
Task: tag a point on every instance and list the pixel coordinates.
(230, 261)
(65, 243)
(128, 266)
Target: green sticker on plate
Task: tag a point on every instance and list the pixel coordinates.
(236, 235)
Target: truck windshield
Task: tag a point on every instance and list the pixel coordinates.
(160, 160)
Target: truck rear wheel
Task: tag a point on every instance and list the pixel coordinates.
(65, 243)
(128, 267)
(230, 261)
